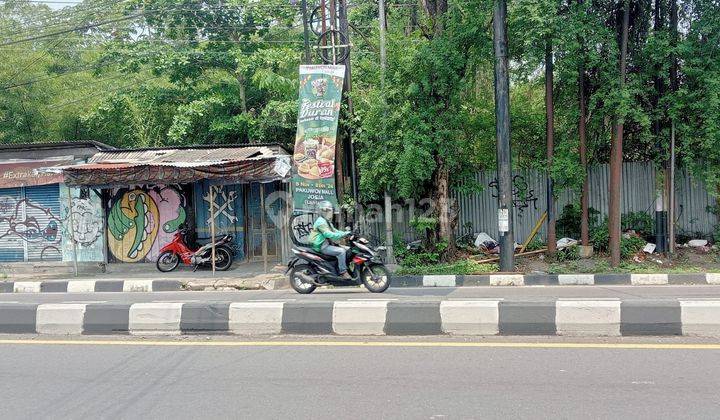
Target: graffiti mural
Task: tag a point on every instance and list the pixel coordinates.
(228, 206)
(29, 224)
(82, 225)
(142, 220)
(86, 228)
(225, 205)
(523, 195)
(26, 227)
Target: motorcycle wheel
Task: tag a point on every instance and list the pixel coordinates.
(297, 283)
(223, 259)
(376, 278)
(167, 261)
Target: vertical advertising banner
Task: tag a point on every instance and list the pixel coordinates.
(314, 156)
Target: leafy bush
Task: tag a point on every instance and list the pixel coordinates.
(570, 253)
(628, 246)
(459, 267)
(419, 259)
(535, 244)
(423, 224)
(568, 224)
(639, 221)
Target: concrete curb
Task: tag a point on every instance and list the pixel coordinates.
(555, 280)
(90, 286)
(575, 317)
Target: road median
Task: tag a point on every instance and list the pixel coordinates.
(483, 317)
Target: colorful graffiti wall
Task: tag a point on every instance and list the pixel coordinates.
(142, 220)
(83, 228)
(30, 224)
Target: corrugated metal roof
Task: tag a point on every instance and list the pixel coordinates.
(56, 145)
(182, 158)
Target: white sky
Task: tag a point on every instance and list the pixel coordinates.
(59, 4)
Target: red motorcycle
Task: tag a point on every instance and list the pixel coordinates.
(176, 250)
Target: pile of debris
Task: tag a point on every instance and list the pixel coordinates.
(489, 246)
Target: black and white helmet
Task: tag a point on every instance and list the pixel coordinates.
(325, 208)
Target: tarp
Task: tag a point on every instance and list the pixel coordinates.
(31, 173)
(122, 174)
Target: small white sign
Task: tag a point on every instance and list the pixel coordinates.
(282, 166)
(503, 220)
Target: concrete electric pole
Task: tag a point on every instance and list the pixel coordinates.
(502, 134)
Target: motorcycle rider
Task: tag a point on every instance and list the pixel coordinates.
(323, 235)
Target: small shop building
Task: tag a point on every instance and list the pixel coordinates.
(34, 203)
(147, 195)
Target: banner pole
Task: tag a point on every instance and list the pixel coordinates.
(212, 227)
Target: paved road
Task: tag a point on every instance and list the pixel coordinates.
(410, 293)
(286, 380)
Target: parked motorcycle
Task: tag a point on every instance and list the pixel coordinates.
(176, 251)
(310, 269)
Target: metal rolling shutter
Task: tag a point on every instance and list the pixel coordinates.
(42, 206)
(12, 247)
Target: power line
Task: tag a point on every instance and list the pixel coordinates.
(79, 28)
(43, 54)
(67, 73)
(69, 12)
(101, 92)
(59, 18)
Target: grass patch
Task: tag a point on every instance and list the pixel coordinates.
(459, 267)
(625, 267)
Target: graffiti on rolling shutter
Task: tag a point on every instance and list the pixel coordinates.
(30, 224)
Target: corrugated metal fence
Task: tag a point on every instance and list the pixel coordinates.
(477, 212)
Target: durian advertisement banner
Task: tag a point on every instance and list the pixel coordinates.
(314, 156)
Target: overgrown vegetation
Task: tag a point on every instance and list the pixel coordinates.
(459, 267)
(165, 72)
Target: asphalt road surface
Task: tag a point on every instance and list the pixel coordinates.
(368, 379)
(401, 293)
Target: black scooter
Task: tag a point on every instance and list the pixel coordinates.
(310, 269)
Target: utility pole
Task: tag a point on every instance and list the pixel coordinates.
(550, 138)
(502, 134)
(616, 154)
(306, 32)
(584, 199)
(673, 87)
(383, 68)
(345, 29)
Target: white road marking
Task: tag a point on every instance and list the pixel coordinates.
(85, 301)
(271, 300)
(372, 300)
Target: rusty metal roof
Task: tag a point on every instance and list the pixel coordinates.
(182, 157)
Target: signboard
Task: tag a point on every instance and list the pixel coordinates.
(26, 174)
(314, 156)
(503, 220)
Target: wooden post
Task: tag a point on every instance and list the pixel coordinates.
(71, 231)
(263, 226)
(212, 227)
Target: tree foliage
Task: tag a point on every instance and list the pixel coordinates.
(166, 72)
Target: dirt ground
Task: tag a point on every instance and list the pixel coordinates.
(685, 260)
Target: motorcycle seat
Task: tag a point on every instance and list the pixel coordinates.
(204, 241)
(309, 250)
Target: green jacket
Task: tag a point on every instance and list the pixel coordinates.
(321, 231)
